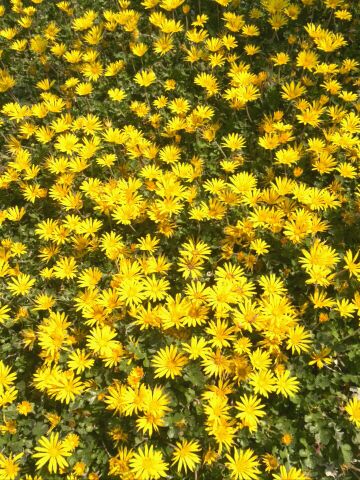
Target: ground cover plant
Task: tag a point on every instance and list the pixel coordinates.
(179, 247)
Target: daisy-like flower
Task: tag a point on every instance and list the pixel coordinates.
(291, 474)
(352, 408)
(9, 467)
(250, 409)
(298, 340)
(21, 284)
(101, 340)
(263, 382)
(148, 464)
(145, 78)
(286, 385)
(281, 58)
(243, 465)
(116, 94)
(185, 455)
(233, 141)
(67, 143)
(65, 386)
(24, 408)
(169, 362)
(51, 451)
(7, 378)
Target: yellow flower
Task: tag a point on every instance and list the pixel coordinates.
(185, 455)
(21, 284)
(251, 49)
(307, 59)
(347, 170)
(207, 81)
(298, 340)
(101, 340)
(223, 433)
(250, 408)
(345, 308)
(24, 408)
(198, 347)
(286, 385)
(352, 408)
(119, 465)
(154, 407)
(210, 456)
(79, 361)
(79, 468)
(71, 441)
(259, 246)
(233, 141)
(163, 44)
(216, 364)
(116, 94)
(270, 462)
(145, 78)
(67, 143)
(84, 88)
(132, 292)
(221, 333)
(351, 265)
(113, 68)
(148, 464)
(139, 49)
(4, 315)
(64, 386)
(292, 90)
(263, 382)
(170, 154)
(321, 358)
(250, 30)
(6, 80)
(291, 474)
(51, 451)
(65, 268)
(243, 465)
(9, 469)
(287, 439)
(343, 15)
(155, 289)
(44, 302)
(170, 84)
(168, 362)
(6, 378)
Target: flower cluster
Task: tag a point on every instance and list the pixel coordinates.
(179, 253)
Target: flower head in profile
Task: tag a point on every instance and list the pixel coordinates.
(145, 78)
(291, 474)
(233, 141)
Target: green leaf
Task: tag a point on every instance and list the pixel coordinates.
(346, 452)
(194, 375)
(39, 429)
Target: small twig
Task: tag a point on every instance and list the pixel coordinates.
(106, 450)
(221, 150)
(248, 114)
(351, 335)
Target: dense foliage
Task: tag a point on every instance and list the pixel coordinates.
(179, 251)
